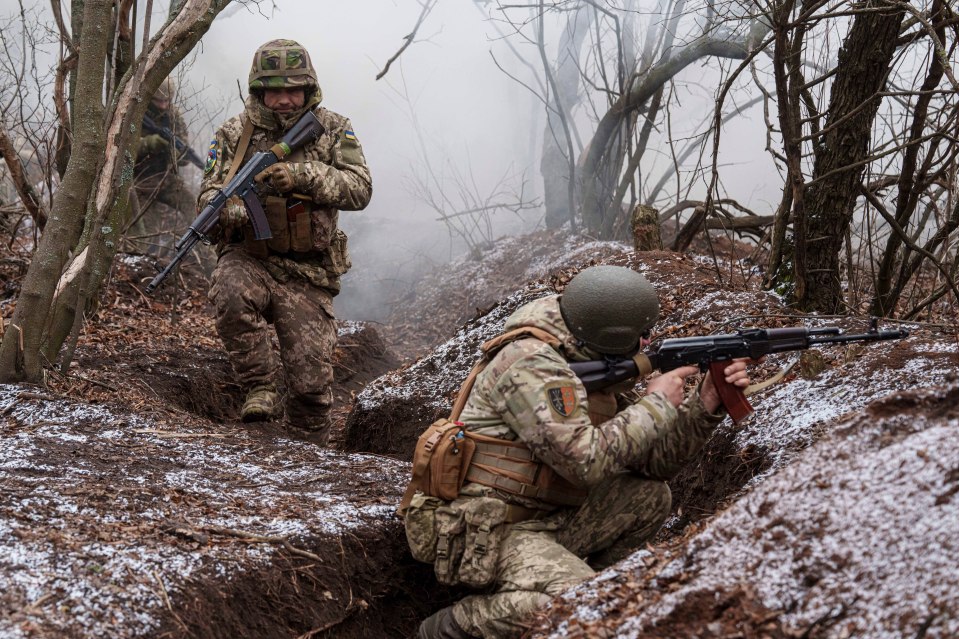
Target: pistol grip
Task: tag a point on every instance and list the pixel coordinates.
(731, 396)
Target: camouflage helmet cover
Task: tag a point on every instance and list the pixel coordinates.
(282, 64)
(608, 308)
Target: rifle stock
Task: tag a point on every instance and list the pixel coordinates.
(714, 352)
(307, 129)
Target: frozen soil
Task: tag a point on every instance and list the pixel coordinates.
(135, 505)
(824, 514)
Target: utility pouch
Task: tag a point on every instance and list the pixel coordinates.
(451, 458)
(485, 519)
(336, 260)
(450, 537)
(420, 523)
(298, 219)
(440, 461)
(275, 208)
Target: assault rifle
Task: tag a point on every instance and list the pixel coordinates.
(306, 129)
(182, 148)
(714, 352)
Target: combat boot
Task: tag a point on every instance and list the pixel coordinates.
(260, 403)
(442, 625)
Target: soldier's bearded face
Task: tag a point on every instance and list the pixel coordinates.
(284, 100)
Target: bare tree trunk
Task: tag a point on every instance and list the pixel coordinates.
(863, 66)
(886, 297)
(23, 339)
(52, 296)
(597, 194)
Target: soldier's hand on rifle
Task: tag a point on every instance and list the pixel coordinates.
(735, 374)
(672, 384)
(283, 176)
(233, 215)
(153, 143)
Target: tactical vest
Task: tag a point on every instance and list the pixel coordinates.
(295, 223)
(447, 455)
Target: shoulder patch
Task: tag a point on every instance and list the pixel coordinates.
(349, 135)
(211, 158)
(562, 398)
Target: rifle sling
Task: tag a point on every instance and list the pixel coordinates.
(241, 147)
(775, 379)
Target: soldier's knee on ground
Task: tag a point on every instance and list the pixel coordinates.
(501, 615)
(442, 625)
(312, 422)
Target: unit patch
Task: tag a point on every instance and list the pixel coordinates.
(210, 158)
(562, 399)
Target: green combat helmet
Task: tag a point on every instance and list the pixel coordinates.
(608, 308)
(282, 64)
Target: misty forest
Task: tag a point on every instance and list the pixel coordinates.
(764, 165)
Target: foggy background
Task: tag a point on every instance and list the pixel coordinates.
(444, 105)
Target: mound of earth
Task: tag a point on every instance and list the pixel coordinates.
(854, 538)
(469, 287)
(136, 505)
(392, 411)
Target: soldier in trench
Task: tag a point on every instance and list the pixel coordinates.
(561, 483)
(163, 202)
(290, 280)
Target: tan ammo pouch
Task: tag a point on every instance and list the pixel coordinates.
(510, 467)
(441, 458)
(289, 220)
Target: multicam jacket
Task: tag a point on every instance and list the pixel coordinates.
(337, 177)
(528, 392)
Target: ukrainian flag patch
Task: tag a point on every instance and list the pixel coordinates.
(211, 158)
(349, 135)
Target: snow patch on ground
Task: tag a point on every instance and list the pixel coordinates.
(71, 555)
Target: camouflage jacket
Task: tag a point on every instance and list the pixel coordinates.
(339, 178)
(529, 392)
(162, 162)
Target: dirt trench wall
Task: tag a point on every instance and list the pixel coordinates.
(853, 538)
(114, 524)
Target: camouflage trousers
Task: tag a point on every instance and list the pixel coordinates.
(541, 559)
(247, 301)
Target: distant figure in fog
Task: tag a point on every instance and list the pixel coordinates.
(290, 280)
(163, 203)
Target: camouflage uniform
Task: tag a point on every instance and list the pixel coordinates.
(277, 281)
(624, 460)
(164, 203)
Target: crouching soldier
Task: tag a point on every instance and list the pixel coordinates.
(532, 483)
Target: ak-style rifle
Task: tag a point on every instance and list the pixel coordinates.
(714, 352)
(307, 129)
